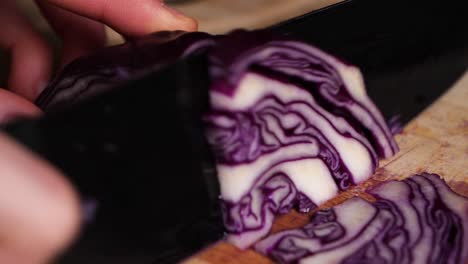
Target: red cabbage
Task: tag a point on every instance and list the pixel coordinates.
(290, 125)
(286, 114)
(101, 71)
(336, 85)
(417, 220)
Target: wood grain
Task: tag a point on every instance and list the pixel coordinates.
(436, 141)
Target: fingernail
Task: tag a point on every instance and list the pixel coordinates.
(171, 10)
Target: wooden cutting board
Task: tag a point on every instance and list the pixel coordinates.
(436, 141)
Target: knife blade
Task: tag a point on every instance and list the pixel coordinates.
(143, 163)
(109, 145)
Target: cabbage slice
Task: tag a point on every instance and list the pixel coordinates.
(336, 85)
(417, 220)
(285, 107)
(105, 69)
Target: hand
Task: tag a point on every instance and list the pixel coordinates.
(39, 209)
(79, 24)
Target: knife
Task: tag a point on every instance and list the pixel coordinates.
(139, 155)
(142, 162)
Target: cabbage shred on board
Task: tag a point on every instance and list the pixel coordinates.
(417, 220)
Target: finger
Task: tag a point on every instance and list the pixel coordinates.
(131, 18)
(13, 106)
(79, 34)
(39, 211)
(31, 56)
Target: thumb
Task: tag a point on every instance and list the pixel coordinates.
(39, 211)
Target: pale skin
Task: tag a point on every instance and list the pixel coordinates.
(39, 209)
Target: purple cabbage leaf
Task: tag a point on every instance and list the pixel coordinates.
(286, 114)
(417, 220)
(99, 72)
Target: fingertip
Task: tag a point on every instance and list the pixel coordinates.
(176, 20)
(131, 18)
(61, 221)
(57, 227)
(39, 208)
(190, 24)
